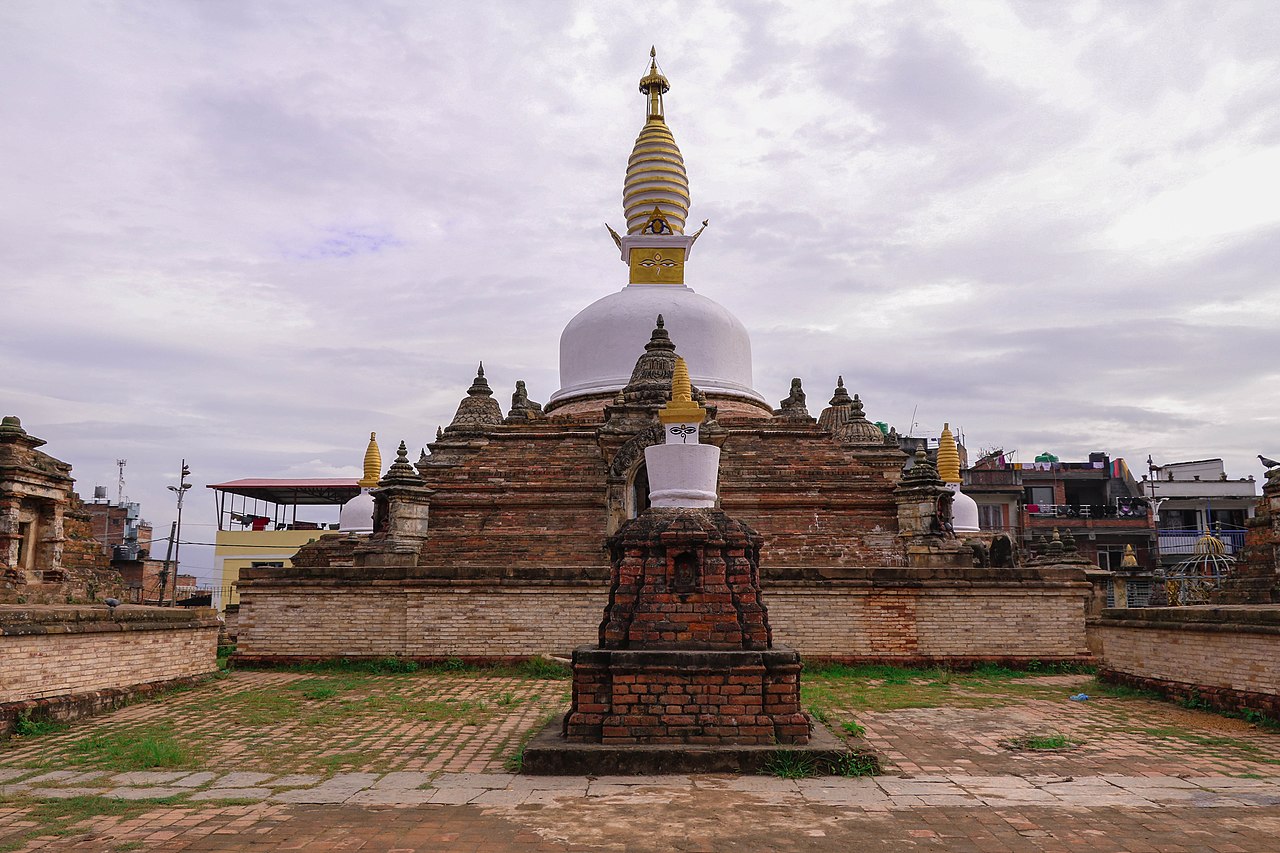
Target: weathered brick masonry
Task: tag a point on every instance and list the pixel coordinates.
(893, 614)
(1227, 656)
(63, 662)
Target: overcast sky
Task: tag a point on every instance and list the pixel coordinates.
(248, 233)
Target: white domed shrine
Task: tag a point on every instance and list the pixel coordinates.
(598, 346)
(356, 515)
(964, 509)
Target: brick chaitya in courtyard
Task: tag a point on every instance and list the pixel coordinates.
(685, 654)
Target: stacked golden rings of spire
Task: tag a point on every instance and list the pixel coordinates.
(655, 178)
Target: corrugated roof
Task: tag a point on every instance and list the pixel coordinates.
(310, 491)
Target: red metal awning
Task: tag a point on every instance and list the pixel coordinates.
(312, 491)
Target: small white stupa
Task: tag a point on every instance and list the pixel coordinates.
(682, 472)
(964, 509)
(356, 515)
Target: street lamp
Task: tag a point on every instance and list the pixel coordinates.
(180, 489)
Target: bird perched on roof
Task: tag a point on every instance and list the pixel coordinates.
(1268, 463)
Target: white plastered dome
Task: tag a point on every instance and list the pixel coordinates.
(356, 515)
(964, 511)
(599, 347)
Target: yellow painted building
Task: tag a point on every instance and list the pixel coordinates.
(258, 522)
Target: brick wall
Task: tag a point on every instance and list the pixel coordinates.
(1227, 656)
(900, 614)
(50, 653)
(926, 624)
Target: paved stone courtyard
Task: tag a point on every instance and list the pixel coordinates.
(350, 761)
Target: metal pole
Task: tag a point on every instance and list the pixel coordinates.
(181, 489)
(168, 554)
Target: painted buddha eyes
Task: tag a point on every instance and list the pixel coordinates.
(683, 430)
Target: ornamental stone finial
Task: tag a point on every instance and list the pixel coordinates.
(522, 409)
(841, 396)
(793, 407)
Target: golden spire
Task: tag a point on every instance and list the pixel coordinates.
(1130, 559)
(682, 409)
(654, 86)
(372, 463)
(655, 196)
(948, 457)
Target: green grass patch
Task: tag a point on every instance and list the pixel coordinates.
(543, 668)
(789, 764)
(27, 725)
(341, 761)
(133, 749)
(259, 707)
(852, 729)
(1056, 740)
(60, 817)
(854, 764)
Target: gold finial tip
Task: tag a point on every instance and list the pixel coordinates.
(373, 436)
(682, 409)
(653, 51)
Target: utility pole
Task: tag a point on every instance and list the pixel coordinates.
(168, 556)
(181, 489)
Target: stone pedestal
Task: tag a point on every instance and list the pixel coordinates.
(624, 696)
(685, 653)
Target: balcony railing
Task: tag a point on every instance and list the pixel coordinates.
(1125, 511)
(991, 477)
(1184, 541)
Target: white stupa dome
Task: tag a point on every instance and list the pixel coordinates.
(356, 515)
(964, 511)
(599, 347)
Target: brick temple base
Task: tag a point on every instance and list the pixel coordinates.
(707, 697)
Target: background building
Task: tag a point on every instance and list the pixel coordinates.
(1194, 497)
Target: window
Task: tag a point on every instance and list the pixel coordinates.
(1178, 519)
(1228, 518)
(25, 544)
(638, 500)
(1039, 494)
(267, 564)
(990, 517)
(1110, 556)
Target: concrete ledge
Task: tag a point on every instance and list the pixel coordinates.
(27, 620)
(1249, 618)
(548, 754)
